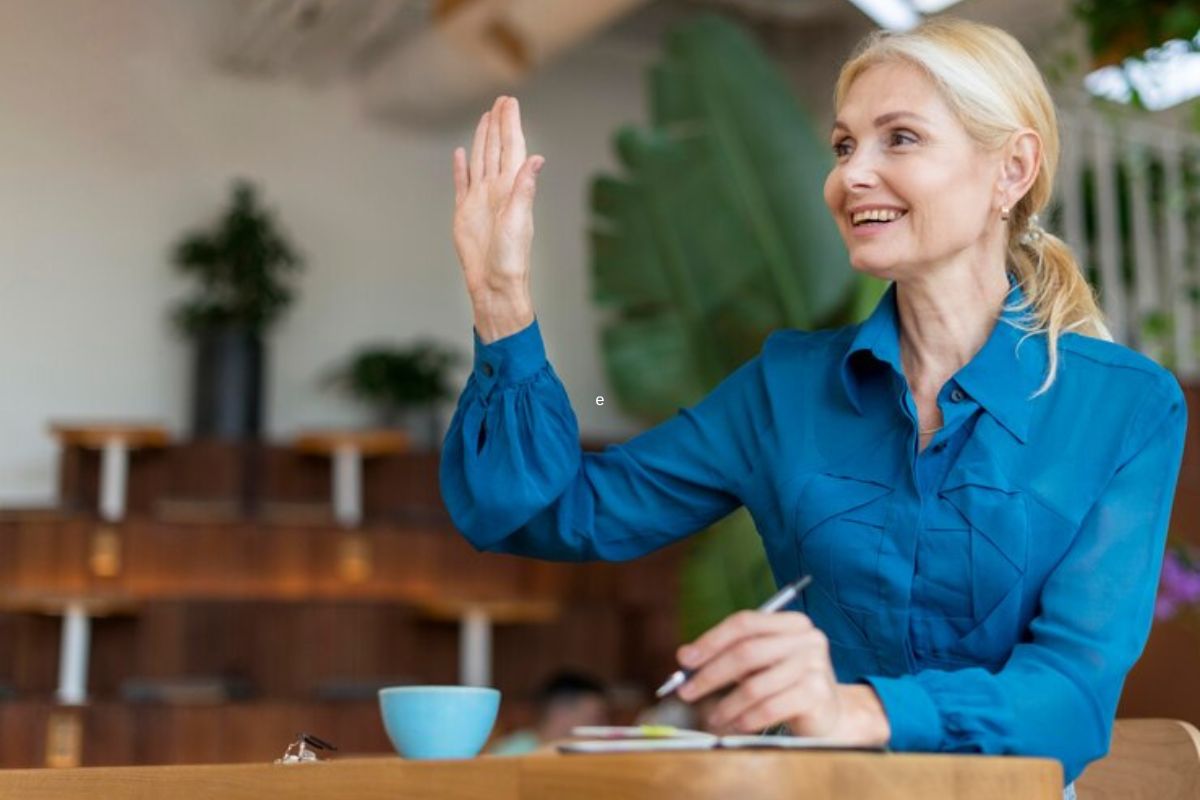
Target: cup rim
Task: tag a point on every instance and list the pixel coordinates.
(438, 689)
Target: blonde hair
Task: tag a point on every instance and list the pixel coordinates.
(994, 89)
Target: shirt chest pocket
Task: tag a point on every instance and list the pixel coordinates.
(985, 535)
(840, 524)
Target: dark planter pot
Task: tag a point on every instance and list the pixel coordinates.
(227, 388)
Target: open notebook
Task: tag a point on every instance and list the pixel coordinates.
(652, 738)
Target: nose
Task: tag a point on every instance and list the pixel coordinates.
(858, 172)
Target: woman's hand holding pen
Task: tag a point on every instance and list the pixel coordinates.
(493, 220)
(778, 670)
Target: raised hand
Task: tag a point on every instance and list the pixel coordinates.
(493, 220)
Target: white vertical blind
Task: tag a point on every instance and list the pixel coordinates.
(1126, 190)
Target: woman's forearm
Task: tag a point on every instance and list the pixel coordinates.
(502, 314)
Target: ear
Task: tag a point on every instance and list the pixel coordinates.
(1021, 158)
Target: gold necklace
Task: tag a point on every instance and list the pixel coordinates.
(924, 431)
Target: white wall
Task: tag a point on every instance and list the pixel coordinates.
(116, 134)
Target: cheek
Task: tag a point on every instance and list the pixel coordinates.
(947, 192)
(833, 195)
(956, 215)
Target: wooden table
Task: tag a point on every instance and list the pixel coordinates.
(75, 631)
(114, 440)
(475, 619)
(746, 775)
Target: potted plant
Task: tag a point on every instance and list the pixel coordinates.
(243, 266)
(402, 385)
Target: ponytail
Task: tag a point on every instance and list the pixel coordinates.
(1057, 297)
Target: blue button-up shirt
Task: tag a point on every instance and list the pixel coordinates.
(994, 588)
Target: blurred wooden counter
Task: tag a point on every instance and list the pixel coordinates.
(644, 776)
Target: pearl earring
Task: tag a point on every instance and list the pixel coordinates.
(1004, 213)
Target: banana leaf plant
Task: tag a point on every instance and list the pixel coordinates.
(715, 235)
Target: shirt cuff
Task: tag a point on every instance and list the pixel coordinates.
(914, 719)
(509, 360)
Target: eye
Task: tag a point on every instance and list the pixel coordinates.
(903, 137)
(840, 148)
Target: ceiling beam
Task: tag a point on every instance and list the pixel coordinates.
(313, 40)
(474, 49)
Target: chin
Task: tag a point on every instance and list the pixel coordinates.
(875, 268)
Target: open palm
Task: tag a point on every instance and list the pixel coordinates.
(493, 205)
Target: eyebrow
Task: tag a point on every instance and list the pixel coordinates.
(882, 119)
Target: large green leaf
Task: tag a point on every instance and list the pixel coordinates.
(715, 235)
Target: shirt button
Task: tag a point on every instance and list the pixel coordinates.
(957, 395)
(488, 370)
(939, 447)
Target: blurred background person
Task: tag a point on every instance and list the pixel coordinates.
(565, 701)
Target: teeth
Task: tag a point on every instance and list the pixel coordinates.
(876, 214)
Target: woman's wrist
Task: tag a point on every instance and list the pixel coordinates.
(862, 720)
(501, 314)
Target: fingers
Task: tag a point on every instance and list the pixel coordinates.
(808, 702)
(499, 144)
(733, 710)
(739, 626)
(741, 660)
(498, 148)
(461, 182)
(491, 151)
(512, 139)
(477, 148)
(525, 187)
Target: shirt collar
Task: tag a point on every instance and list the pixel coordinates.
(1000, 377)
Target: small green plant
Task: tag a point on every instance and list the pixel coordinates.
(243, 265)
(393, 380)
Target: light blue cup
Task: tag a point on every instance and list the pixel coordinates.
(438, 721)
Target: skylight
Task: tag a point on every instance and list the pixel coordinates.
(900, 15)
(1165, 76)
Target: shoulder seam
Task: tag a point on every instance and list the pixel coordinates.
(1151, 369)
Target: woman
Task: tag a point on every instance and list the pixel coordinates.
(977, 478)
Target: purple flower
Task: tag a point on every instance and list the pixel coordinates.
(1180, 586)
(1164, 608)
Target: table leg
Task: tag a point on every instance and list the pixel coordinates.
(114, 469)
(475, 648)
(347, 486)
(73, 655)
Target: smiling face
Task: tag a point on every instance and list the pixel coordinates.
(922, 192)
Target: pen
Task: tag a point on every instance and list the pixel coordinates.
(778, 601)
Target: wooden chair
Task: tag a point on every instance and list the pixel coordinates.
(1148, 758)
